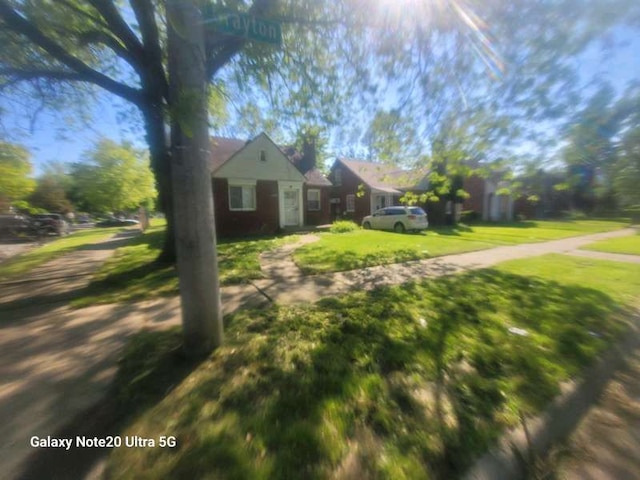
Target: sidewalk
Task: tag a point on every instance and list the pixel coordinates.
(301, 289)
(605, 444)
(56, 362)
(57, 280)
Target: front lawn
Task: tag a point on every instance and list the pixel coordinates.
(628, 245)
(365, 248)
(412, 381)
(133, 274)
(23, 264)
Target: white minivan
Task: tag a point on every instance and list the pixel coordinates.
(398, 219)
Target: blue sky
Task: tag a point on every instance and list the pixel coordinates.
(53, 139)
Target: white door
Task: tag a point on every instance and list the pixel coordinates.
(291, 207)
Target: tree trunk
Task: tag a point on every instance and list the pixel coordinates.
(161, 164)
(191, 178)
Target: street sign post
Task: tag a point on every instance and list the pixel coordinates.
(250, 27)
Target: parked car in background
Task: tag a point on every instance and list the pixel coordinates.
(49, 224)
(398, 219)
(117, 222)
(12, 226)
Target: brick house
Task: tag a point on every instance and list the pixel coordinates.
(260, 189)
(486, 199)
(360, 187)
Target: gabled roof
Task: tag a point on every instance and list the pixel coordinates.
(386, 178)
(315, 178)
(224, 149)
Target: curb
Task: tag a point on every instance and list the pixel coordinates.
(510, 458)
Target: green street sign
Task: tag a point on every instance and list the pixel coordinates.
(250, 27)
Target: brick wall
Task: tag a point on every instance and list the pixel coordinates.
(264, 220)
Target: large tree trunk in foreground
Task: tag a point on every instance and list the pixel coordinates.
(192, 194)
(161, 164)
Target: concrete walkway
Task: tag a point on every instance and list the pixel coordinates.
(55, 362)
(278, 265)
(297, 289)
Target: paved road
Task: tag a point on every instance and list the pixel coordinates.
(56, 362)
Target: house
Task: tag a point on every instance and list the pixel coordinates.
(488, 198)
(360, 187)
(260, 189)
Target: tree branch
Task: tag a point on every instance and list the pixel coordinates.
(23, 27)
(83, 13)
(145, 14)
(119, 27)
(33, 74)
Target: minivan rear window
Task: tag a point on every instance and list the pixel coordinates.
(416, 211)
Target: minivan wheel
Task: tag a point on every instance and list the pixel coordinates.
(366, 226)
(398, 228)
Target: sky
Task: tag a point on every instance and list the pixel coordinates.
(53, 139)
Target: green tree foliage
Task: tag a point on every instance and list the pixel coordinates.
(627, 169)
(391, 138)
(15, 171)
(114, 178)
(50, 195)
(601, 152)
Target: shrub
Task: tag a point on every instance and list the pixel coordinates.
(343, 226)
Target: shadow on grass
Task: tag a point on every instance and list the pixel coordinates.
(412, 381)
(151, 367)
(134, 273)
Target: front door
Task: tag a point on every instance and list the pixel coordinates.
(291, 208)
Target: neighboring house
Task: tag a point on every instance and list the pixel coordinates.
(259, 189)
(360, 188)
(486, 198)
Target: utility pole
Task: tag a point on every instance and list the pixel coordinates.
(191, 178)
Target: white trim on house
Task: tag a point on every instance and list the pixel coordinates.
(351, 203)
(282, 187)
(377, 195)
(248, 192)
(315, 191)
(275, 167)
(496, 207)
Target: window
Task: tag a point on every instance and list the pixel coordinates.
(337, 177)
(263, 156)
(242, 197)
(351, 203)
(313, 200)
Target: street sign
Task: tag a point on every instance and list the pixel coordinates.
(250, 27)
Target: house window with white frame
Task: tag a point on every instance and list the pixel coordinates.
(351, 203)
(242, 197)
(313, 200)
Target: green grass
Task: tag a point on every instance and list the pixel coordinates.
(364, 248)
(628, 245)
(414, 381)
(22, 264)
(132, 273)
